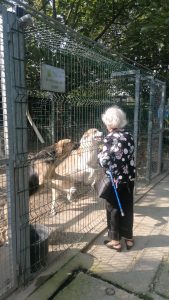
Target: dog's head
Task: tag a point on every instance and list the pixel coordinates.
(91, 136)
(65, 146)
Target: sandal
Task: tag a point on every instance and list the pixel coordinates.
(129, 243)
(116, 247)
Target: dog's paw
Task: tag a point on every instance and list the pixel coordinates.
(72, 191)
(53, 212)
(69, 198)
(93, 184)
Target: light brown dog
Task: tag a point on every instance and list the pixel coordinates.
(79, 166)
(43, 164)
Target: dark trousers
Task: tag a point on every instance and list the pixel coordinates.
(119, 226)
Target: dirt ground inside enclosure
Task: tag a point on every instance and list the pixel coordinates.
(66, 228)
(40, 203)
(70, 217)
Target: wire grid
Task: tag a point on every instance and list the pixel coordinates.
(58, 116)
(90, 89)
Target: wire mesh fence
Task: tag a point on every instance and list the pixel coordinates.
(50, 140)
(165, 143)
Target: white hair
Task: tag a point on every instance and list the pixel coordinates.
(114, 117)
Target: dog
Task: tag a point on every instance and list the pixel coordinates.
(42, 165)
(40, 168)
(80, 166)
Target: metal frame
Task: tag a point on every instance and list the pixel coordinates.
(19, 100)
(160, 147)
(136, 112)
(15, 125)
(9, 140)
(149, 142)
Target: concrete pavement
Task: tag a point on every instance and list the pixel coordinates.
(145, 268)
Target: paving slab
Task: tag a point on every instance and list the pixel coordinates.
(136, 270)
(156, 297)
(162, 279)
(45, 291)
(85, 287)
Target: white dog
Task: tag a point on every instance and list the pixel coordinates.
(79, 166)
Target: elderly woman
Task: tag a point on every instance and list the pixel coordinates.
(118, 156)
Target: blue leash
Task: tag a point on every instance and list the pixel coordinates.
(117, 196)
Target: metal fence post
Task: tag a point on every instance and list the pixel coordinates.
(136, 113)
(19, 103)
(161, 124)
(149, 137)
(9, 140)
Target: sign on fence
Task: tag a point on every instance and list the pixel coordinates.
(52, 79)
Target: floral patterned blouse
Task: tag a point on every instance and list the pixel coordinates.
(118, 154)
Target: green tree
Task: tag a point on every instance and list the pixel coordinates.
(137, 30)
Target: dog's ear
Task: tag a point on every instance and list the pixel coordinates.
(60, 146)
(84, 137)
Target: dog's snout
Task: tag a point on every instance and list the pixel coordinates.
(76, 145)
(99, 135)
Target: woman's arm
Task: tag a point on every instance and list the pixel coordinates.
(104, 156)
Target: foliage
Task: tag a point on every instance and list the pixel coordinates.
(137, 30)
(146, 38)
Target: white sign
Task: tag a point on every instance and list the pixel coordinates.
(52, 79)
